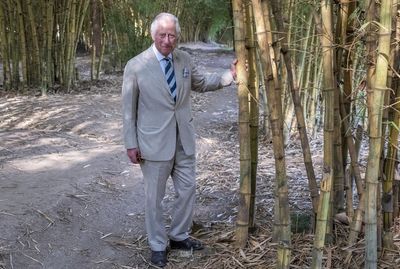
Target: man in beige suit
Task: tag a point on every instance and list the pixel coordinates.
(159, 133)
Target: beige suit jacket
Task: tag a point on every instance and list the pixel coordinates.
(150, 115)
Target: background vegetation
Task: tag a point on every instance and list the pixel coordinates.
(39, 38)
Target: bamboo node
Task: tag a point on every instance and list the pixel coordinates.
(378, 89)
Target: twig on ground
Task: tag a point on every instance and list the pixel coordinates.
(6, 213)
(33, 259)
(106, 235)
(11, 261)
(101, 261)
(79, 196)
(51, 222)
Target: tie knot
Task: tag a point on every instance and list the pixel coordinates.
(167, 59)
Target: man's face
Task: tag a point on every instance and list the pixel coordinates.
(165, 37)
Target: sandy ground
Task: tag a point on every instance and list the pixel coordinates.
(69, 198)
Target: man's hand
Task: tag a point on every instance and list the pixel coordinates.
(134, 155)
(230, 75)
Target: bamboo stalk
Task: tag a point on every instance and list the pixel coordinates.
(70, 45)
(304, 64)
(396, 88)
(13, 39)
(356, 223)
(338, 197)
(314, 121)
(93, 40)
(348, 54)
(352, 150)
(271, 72)
(391, 156)
(63, 41)
(282, 213)
(242, 223)
(339, 147)
(36, 72)
(93, 61)
(348, 188)
(355, 227)
(4, 49)
(294, 90)
(263, 94)
(272, 82)
(375, 102)
(253, 101)
(324, 25)
(101, 58)
(22, 42)
(49, 45)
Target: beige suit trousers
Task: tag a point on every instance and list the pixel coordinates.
(155, 173)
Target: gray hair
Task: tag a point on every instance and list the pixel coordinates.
(164, 16)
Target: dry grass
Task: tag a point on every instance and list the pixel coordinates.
(220, 251)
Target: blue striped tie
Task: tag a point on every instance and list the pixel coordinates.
(170, 75)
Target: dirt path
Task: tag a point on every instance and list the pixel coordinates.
(70, 198)
(67, 190)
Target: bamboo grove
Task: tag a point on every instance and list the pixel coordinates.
(330, 65)
(39, 50)
(39, 39)
(304, 67)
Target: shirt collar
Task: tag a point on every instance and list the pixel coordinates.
(159, 56)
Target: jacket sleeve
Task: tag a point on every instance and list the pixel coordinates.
(212, 82)
(130, 95)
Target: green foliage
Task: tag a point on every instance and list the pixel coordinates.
(121, 26)
(208, 18)
(127, 23)
(124, 26)
(220, 26)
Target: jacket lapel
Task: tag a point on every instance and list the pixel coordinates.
(178, 69)
(156, 73)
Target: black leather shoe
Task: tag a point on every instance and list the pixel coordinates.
(187, 244)
(159, 258)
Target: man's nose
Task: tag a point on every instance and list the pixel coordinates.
(167, 40)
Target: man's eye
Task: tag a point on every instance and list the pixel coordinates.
(170, 36)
